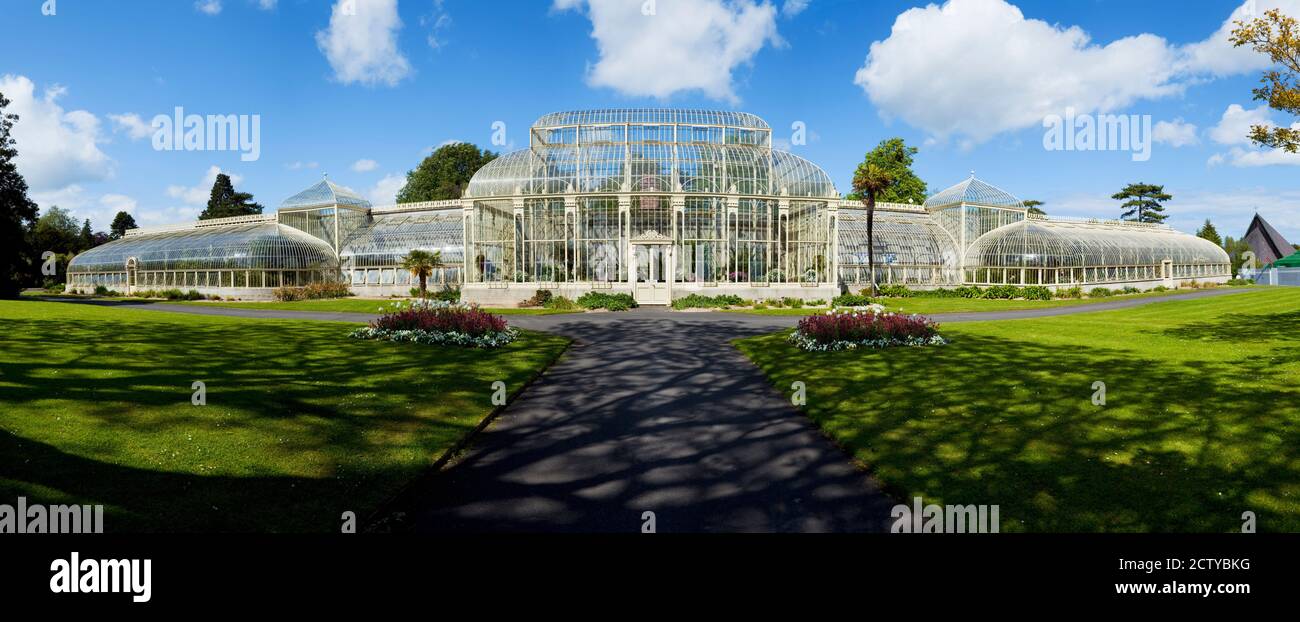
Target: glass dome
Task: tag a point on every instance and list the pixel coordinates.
(385, 240)
(1063, 244)
(651, 115)
(973, 192)
(257, 246)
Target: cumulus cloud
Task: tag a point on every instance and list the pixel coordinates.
(792, 8)
(1233, 130)
(1174, 133)
(678, 46)
(208, 7)
(132, 124)
(361, 43)
(201, 192)
(1230, 209)
(364, 166)
(56, 148)
(384, 192)
(972, 69)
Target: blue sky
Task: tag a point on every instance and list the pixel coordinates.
(365, 96)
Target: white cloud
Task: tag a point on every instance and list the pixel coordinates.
(684, 45)
(297, 166)
(1234, 130)
(384, 192)
(972, 69)
(1234, 126)
(208, 7)
(361, 43)
(115, 203)
(792, 8)
(1174, 133)
(437, 23)
(82, 205)
(266, 5)
(56, 148)
(364, 166)
(1229, 209)
(200, 193)
(975, 68)
(132, 124)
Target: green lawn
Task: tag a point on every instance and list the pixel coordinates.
(1201, 422)
(347, 305)
(301, 422)
(930, 306)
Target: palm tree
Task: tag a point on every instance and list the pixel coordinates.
(421, 264)
(869, 181)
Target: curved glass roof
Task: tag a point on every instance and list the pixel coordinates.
(257, 246)
(325, 194)
(975, 192)
(651, 115)
(1060, 244)
(900, 238)
(388, 237)
(651, 167)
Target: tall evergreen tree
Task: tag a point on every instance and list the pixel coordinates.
(87, 237)
(17, 212)
(444, 174)
(1032, 205)
(1208, 232)
(121, 222)
(1143, 202)
(894, 157)
(225, 202)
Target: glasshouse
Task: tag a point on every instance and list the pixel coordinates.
(656, 203)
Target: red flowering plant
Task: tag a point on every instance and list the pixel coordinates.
(439, 322)
(848, 330)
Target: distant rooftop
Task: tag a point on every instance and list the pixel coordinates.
(325, 194)
(974, 192)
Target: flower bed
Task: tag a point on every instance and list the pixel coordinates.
(438, 322)
(872, 328)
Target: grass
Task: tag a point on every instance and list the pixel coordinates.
(928, 306)
(301, 422)
(1201, 421)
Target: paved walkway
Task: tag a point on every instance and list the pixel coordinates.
(652, 410)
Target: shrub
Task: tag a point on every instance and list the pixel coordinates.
(560, 303)
(793, 303)
(894, 291)
(440, 323)
(849, 330)
(851, 300)
(1160, 288)
(1002, 292)
(54, 288)
(601, 300)
(1100, 292)
(317, 291)
(1131, 290)
(1073, 292)
(816, 302)
(289, 294)
(696, 301)
(1036, 292)
(1234, 282)
(538, 299)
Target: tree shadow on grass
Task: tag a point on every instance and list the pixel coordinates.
(1242, 327)
(1177, 447)
(301, 421)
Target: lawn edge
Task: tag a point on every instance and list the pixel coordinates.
(377, 519)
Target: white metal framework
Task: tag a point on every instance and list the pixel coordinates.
(653, 202)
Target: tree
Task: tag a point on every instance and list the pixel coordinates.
(421, 264)
(17, 211)
(121, 222)
(1142, 202)
(57, 231)
(86, 238)
(1277, 36)
(869, 182)
(444, 174)
(225, 202)
(895, 158)
(1208, 232)
(1236, 252)
(1033, 204)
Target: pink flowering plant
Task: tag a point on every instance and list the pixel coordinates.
(439, 322)
(870, 328)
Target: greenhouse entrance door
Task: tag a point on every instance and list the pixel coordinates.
(653, 273)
